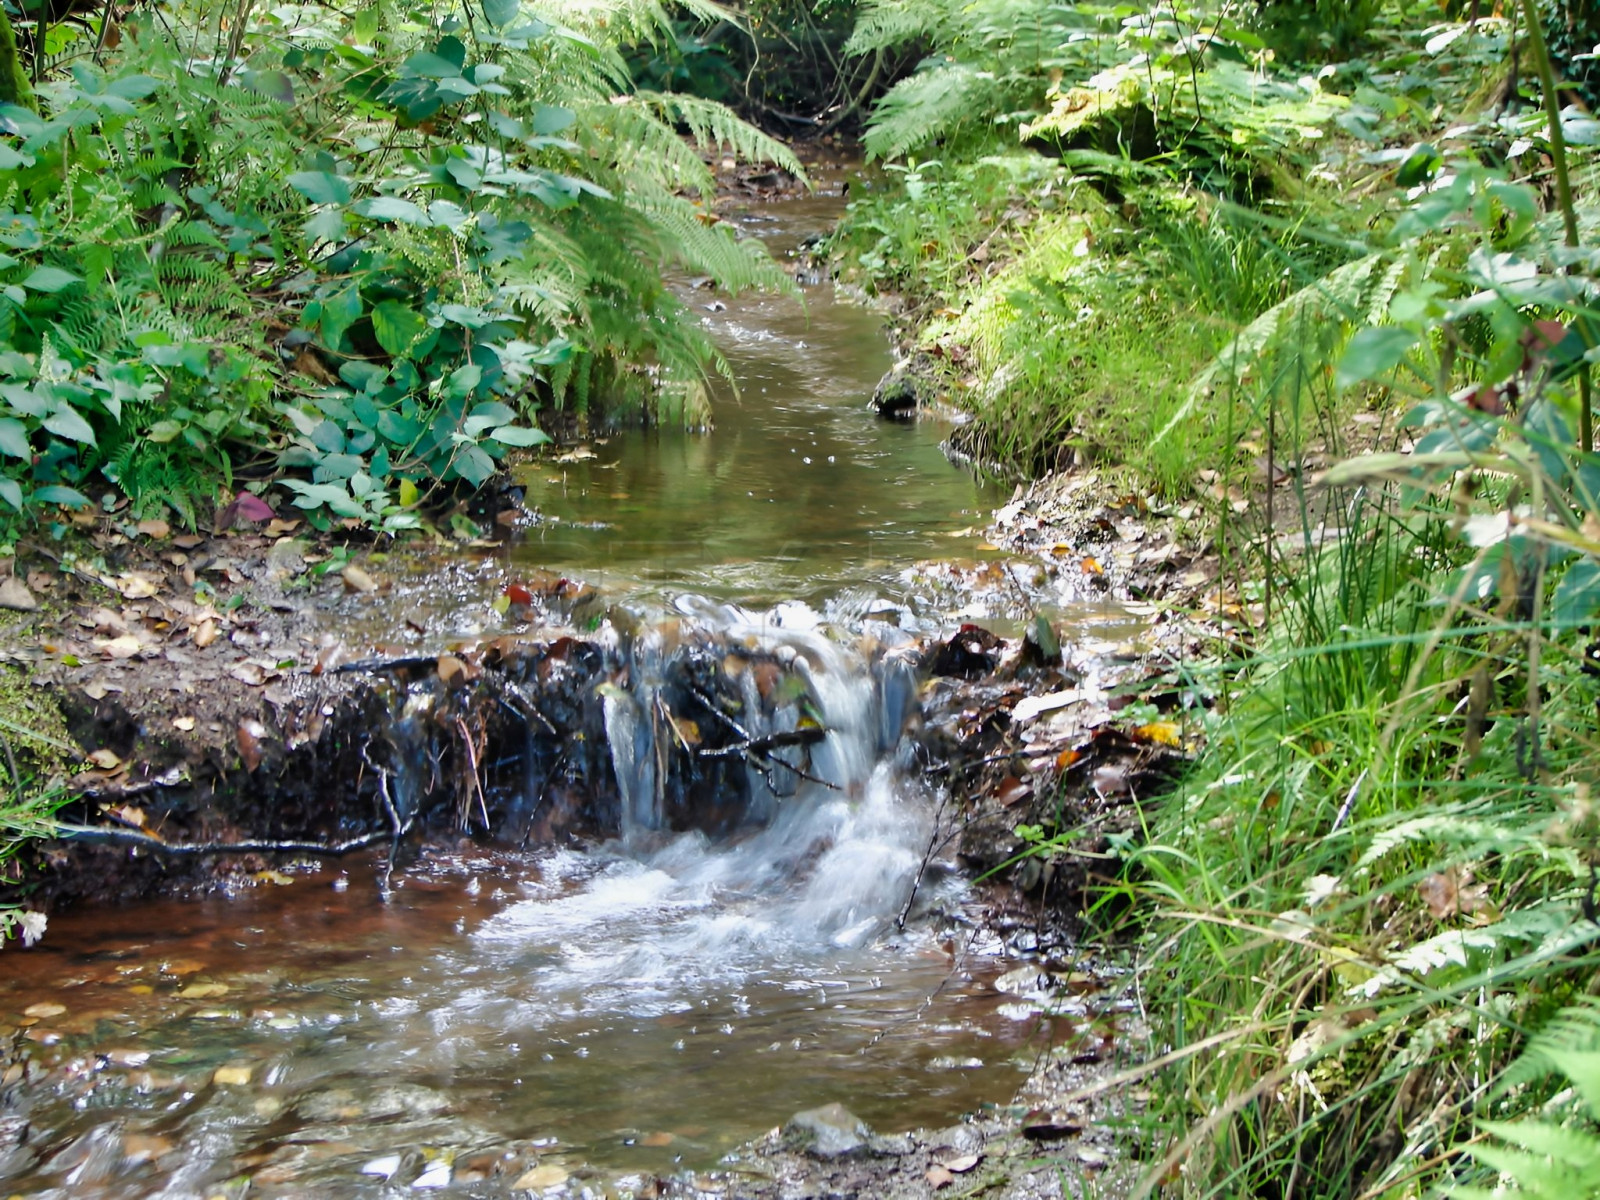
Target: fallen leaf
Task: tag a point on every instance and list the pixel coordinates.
(154, 529)
(357, 580)
(1012, 791)
(248, 737)
(278, 528)
(657, 1139)
(121, 647)
(688, 731)
(547, 1176)
(938, 1177)
(1091, 566)
(206, 991)
(204, 634)
(106, 760)
(249, 672)
(127, 814)
(14, 594)
(44, 1010)
(144, 1147)
(452, 671)
(1162, 733)
(234, 1076)
(135, 586)
(183, 724)
(187, 541)
(99, 689)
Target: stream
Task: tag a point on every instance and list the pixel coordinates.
(582, 1018)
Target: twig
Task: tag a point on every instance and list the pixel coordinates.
(109, 835)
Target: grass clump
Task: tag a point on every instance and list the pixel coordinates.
(35, 755)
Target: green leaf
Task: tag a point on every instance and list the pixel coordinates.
(14, 439)
(163, 431)
(71, 497)
(1420, 165)
(392, 208)
(396, 327)
(49, 279)
(1577, 597)
(500, 13)
(516, 435)
(339, 312)
(473, 465)
(11, 493)
(328, 438)
(65, 422)
(321, 187)
(1372, 353)
(427, 65)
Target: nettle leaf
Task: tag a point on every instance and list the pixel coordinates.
(500, 13)
(516, 435)
(1373, 353)
(50, 279)
(65, 422)
(397, 327)
(14, 439)
(321, 187)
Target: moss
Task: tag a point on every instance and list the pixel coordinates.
(35, 730)
(15, 86)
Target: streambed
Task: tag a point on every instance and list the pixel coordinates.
(590, 1016)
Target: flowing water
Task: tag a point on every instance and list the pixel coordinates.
(641, 1006)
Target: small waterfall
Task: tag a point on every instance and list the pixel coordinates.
(825, 836)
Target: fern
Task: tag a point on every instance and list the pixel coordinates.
(1550, 1159)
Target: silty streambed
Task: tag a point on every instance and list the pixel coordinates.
(634, 1008)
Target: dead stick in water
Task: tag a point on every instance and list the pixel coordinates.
(110, 835)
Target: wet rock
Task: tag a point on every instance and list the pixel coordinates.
(13, 1132)
(831, 1131)
(898, 395)
(971, 654)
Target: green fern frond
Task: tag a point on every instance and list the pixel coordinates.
(714, 125)
(927, 106)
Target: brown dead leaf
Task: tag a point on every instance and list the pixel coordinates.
(14, 595)
(1452, 893)
(154, 529)
(183, 724)
(204, 633)
(1012, 791)
(938, 1177)
(688, 731)
(119, 647)
(278, 527)
(106, 760)
(1091, 566)
(452, 671)
(657, 1139)
(357, 580)
(962, 1164)
(252, 673)
(127, 814)
(248, 736)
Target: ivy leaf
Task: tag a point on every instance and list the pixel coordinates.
(396, 327)
(1373, 353)
(321, 187)
(65, 422)
(500, 13)
(49, 279)
(14, 439)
